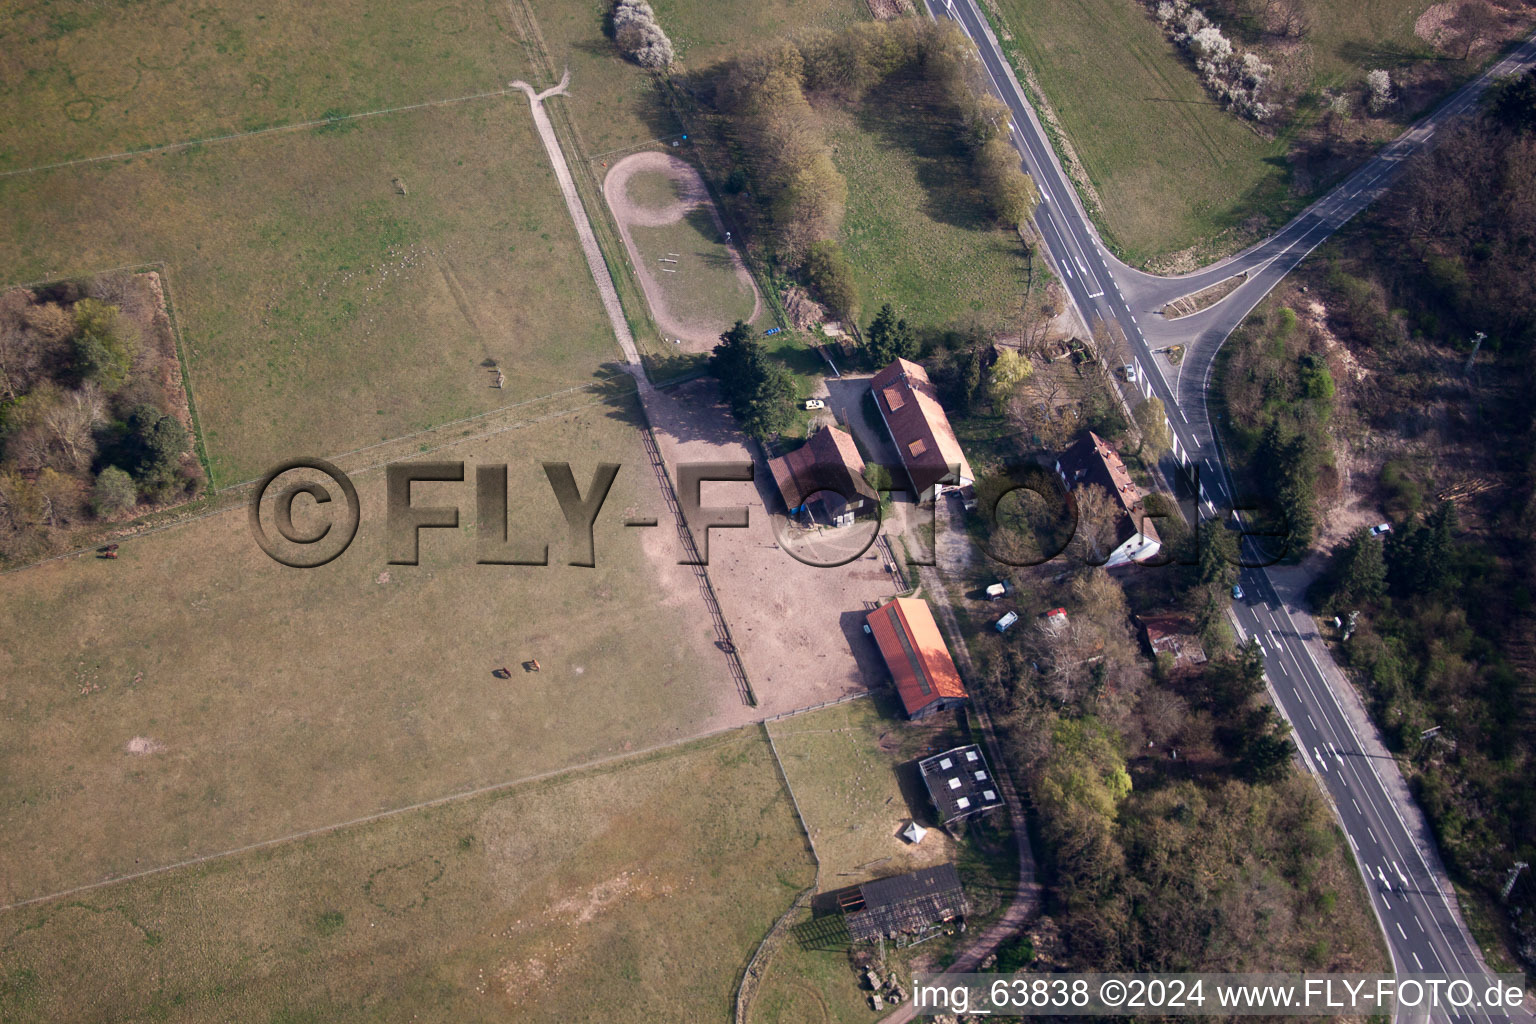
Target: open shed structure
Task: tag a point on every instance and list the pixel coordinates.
(904, 908)
(960, 783)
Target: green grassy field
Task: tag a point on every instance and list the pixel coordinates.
(1171, 169)
(276, 699)
(614, 103)
(82, 78)
(705, 285)
(320, 308)
(632, 892)
(849, 768)
(917, 234)
(1173, 174)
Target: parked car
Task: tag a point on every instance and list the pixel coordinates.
(1237, 591)
(815, 403)
(1381, 528)
(1003, 623)
(1129, 369)
(998, 590)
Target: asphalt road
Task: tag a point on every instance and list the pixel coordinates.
(1391, 842)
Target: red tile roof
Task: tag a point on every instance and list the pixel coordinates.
(912, 413)
(915, 652)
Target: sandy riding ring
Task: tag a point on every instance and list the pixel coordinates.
(694, 280)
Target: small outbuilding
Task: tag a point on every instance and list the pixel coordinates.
(959, 783)
(905, 908)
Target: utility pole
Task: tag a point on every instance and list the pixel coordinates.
(1509, 883)
(1477, 343)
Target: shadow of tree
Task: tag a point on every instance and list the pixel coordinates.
(903, 115)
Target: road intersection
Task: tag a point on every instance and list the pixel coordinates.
(1410, 891)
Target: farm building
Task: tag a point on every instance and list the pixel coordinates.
(915, 653)
(905, 908)
(960, 783)
(823, 480)
(1091, 461)
(918, 426)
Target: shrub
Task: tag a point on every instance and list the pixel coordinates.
(114, 492)
(639, 37)
(104, 344)
(830, 275)
(1238, 79)
(1379, 84)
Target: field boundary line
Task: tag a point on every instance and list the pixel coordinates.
(752, 974)
(844, 699)
(171, 147)
(368, 819)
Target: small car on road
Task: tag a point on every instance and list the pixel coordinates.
(1237, 591)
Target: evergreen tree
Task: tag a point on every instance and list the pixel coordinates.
(889, 338)
(760, 392)
(1360, 573)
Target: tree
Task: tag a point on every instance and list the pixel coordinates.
(1513, 102)
(1263, 750)
(1236, 680)
(971, 370)
(889, 338)
(1097, 516)
(1009, 370)
(1218, 557)
(1360, 573)
(104, 344)
(114, 492)
(1420, 556)
(1152, 421)
(1379, 85)
(1475, 22)
(1287, 466)
(761, 393)
(72, 421)
(22, 349)
(829, 274)
(151, 450)
(1010, 192)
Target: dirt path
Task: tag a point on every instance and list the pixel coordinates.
(589, 246)
(1027, 894)
(698, 334)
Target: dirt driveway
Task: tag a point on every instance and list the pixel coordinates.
(800, 629)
